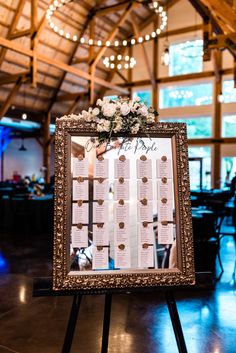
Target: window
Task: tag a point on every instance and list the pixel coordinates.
(114, 97)
(229, 92)
(145, 96)
(229, 126)
(197, 127)
(228, 170)
(186, 57)
(202, 155)
(180, 96)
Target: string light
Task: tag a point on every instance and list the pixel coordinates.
(119, 62)
(114, 43)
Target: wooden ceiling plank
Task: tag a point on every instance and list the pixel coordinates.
(69, 96)
(34, 42)
(19, 34)
(13, 78)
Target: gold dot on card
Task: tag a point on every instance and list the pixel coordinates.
(144, 179)
(79, 225)
(100, 225)
(144, 202)
(145, 246)
(164, 223)
(121, 246)
(121, 180)
(100, 180)
(99, 248)
(143, 158)
(121, 225)
(122, 158)
(164, 200)
(145, 224)
(164, 158)
(164, 180)
(121, 202)
(80, 203)
(100, 202)
(80, 179)
(100, 158)
(80, 157)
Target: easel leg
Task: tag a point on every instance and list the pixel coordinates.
(174, 315)
(71, 324)
(106, 322)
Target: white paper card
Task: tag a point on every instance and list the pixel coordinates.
(100, 235)
(101, 190)
(164, 168)
(122, 169)
(165, 211)
(100, 168)
(79, 237)
(144, 168)
(145, 257)
(80, 213)
(165, 233)
(146, 234)
(144, 190)
(80, 168)
(122, 257)
(165, 190)
(100, 212)
(121, 235)
(121, 213)
(80, 190)
(100, 258)
(145, 212)
(121, 191)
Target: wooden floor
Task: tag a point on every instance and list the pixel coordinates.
(140, 323)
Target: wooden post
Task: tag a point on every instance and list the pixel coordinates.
(46, 147)
(217, 57)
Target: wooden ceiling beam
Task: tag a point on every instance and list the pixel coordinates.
(113, 33)
(34, 42)
(6, 79)
(19, 34)
(145, 55)
(4, 108)
(102, 11)
(59, 64)
(12, 28)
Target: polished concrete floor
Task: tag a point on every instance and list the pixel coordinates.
(140, 323)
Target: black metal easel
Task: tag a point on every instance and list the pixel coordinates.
(43, 287)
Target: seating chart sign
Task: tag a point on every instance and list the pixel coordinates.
(122, 209)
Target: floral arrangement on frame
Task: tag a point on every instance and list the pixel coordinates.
(115, 116)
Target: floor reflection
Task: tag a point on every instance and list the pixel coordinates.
(140, 322)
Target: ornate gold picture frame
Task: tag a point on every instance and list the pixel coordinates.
(96, 250)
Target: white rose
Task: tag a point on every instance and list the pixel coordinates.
(125, 109)
(106, 100)
(137, 99)
(135, 107)
(95, 111)
(143, 111)
(109, 109)
(87, 116)
(135, 128)
(103, 125)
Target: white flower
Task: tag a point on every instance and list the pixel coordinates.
(134, 129)
(137, 99)
(109, 109)
(124, 109)
(150, 118)
(87, 116)
(100, 102)
(143, 110)
(135, 107)
(95, 111)
(118, 126)
(106, 100)
(103, 125)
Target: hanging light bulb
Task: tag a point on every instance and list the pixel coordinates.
(165, 56)
(220, 98)
(24, 116)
